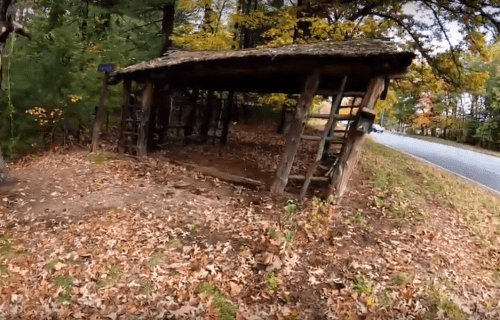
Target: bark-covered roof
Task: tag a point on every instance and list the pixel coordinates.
(350, 49)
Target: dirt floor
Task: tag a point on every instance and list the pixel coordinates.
(111, 237)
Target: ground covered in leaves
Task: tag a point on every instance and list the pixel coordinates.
(97, 236)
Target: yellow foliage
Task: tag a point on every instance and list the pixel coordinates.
(222, 40)
(386, 105)
(94, 48)
(75, 98)
(422, 120)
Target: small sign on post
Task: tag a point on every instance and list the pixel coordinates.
(108, 68)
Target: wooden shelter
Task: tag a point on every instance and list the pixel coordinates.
(355, 69)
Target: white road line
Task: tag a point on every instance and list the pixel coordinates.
(438, 166)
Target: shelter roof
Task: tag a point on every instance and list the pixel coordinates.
(276, 69)
(361, 48)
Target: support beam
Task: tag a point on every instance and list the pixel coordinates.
(147, 99)
(190, 113)
(295, 133)
(208, 114)
(355, 140)
(127, 84)
(228, 116)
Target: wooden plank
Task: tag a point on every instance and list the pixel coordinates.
(101, 111)
(124, 115)
(319, 154)
(295, 133)
(147, 99)
(353, 146)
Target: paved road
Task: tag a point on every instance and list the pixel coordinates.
(479, 167)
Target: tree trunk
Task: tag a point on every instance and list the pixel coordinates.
(101, 112)
(167, 25)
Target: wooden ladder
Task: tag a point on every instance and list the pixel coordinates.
(330, 136)
(131, 132)
(324, 161)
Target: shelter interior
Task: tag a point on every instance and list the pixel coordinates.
(197, 95)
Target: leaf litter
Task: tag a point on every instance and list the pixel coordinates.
(148, 239)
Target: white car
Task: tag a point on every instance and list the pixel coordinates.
(377, 129)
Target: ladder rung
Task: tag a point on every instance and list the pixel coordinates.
(337, 117)
(319, 116)
(317, 138)
(345, 117)
(322, 167)
(301, 177)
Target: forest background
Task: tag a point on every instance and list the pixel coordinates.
(51, 85)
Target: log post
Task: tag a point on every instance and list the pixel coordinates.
(124, 115)
(208, 116)
(192, 106)
(147, 98)
(295, 133)
(354, 143)
(228, 116)
(101, 111)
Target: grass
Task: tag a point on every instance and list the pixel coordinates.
(272, 233)
(147, 286)
(113, 275)
(406, 188)
(221, 302)
(65, 283)
(100, 158)
(272, 279)
(439, 303)
(400, 279)
(174, 243)
(8, 250)
(359, 219)
(362, 286)
(291, 208)
(290, 235)
(156, 259)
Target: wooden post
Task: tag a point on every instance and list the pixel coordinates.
(208, 116)
(228, 116)
(192, 105)
(124, 114)
(101, 112)
(295, 133)
(355, 140)
(218, 111)
(147, 98)
(326, 133)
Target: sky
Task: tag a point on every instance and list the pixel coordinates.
(425, 15)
